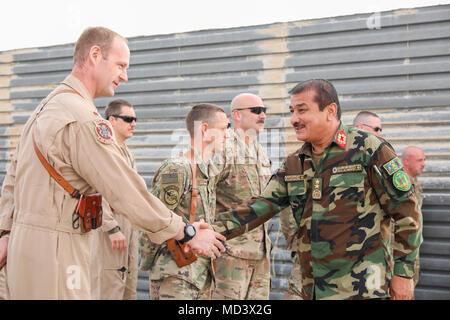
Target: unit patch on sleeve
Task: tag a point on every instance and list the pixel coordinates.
(392, 166)
(401, 181)
(102, 131)
(171, 195)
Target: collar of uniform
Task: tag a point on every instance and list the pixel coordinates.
(78, 86)
(340, 139)
(243, 146)
(199, 161)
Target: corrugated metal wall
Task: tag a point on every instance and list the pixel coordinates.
(393, 63)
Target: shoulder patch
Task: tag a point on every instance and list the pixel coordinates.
(401, 181)
(171, 195)
(392, 166)
(102, 131)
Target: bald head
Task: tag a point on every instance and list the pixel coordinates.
(248, 113)
(246, 100)
(413, 159)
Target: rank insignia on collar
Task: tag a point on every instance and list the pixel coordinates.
(341, 139)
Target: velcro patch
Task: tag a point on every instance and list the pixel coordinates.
(392, 166)
(169, 178)
(102, 131)
(294, 177)
(349, 168)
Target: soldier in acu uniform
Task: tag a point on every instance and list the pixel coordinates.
(243, 272)
(343, 185)
(173, 183)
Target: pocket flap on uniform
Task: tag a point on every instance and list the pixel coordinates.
(348, 179)
(295, 188)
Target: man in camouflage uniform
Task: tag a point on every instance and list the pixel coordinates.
(243, 271)
(172, 183)
(413, 159)
(343, 185)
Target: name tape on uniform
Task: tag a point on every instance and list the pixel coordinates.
(294, 177)
(349, 168)
(169, 178)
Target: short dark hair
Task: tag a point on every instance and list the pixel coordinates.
(115, 107)
(203, 112)
(325, 93)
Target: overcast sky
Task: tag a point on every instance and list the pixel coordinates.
(29, 24)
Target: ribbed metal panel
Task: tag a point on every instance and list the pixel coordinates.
(394, 63)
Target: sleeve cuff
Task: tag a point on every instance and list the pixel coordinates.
(404, 269)
(167, 233)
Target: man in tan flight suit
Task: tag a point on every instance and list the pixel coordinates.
(3, 250)
(243, 271)
(114, 270)
(48, 256)
(173, 184)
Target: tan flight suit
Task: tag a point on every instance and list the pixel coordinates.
(2, 284)
(47, 257)
(114, 273)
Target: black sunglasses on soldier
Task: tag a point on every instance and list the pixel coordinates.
(256, 110)
(128, 119)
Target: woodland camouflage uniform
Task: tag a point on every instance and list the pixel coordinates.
(343, 210)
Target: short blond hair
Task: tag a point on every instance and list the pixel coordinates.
(94, 36)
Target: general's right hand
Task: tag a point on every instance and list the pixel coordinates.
(206, 242)
(3, 250)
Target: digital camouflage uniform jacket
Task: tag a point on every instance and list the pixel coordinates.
(244, 172)
(172, 184)
(343, 209)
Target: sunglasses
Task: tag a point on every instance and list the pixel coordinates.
(376, 129)
(255, 110)
(125, 118)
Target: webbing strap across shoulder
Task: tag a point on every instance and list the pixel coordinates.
(194, 194)
(53, 173)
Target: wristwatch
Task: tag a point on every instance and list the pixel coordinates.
(189, 233)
